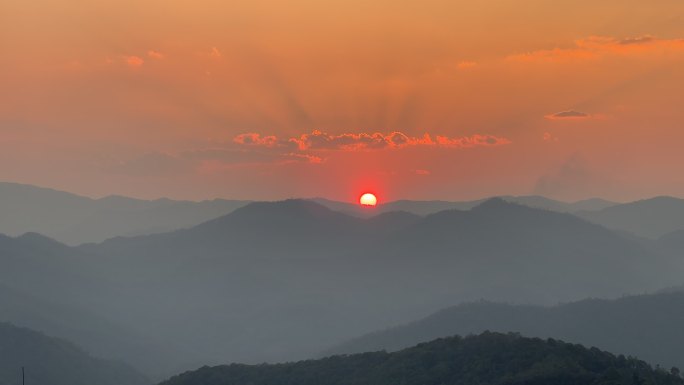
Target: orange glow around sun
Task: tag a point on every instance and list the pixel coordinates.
(368, 199)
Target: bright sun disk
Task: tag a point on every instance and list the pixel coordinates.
(368, 199)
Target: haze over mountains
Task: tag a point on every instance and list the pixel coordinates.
(646, 326)
(74, 220)
(652, 218)
(431, 207)
(54, 361)
(209, 293)
(273, 281)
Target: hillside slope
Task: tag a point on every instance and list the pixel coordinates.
(54, 361)
(647, 326)
(489, 358)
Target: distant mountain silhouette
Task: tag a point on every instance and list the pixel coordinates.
(435, 206)
(53, 288)
(392, 221)
(673, 241)
(295, 228)
(509, 241)
(316, 270)
(42, 265)
(541, 202)
(648, 326)
(54, 361)
(276, 281)
(527, 253)
(74, 219)
(489, 358)
(651, 218)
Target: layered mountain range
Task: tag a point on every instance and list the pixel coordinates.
(273, 281)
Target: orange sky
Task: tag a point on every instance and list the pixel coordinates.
(267, 99)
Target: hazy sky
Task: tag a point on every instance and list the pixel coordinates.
(266, 99)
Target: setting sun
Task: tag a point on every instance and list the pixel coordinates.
(368, 199)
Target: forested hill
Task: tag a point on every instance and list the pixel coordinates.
(490, 358)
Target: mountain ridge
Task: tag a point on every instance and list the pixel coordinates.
(55, 361)
(75, 219)
(646, 326)
(651, 218)
(326, 276)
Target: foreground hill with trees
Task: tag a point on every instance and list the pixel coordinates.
(490, 358)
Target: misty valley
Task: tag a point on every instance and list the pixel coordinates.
(506, 290)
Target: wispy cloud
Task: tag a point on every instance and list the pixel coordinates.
(595, 47)
(215, 52)
(568, 115)
(155, 54)
(296, 157)
(202, 160)
(467, 64)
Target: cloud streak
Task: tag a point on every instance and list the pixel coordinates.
(134, 61)
(254, 139)
(322, 141)
(203, 160)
